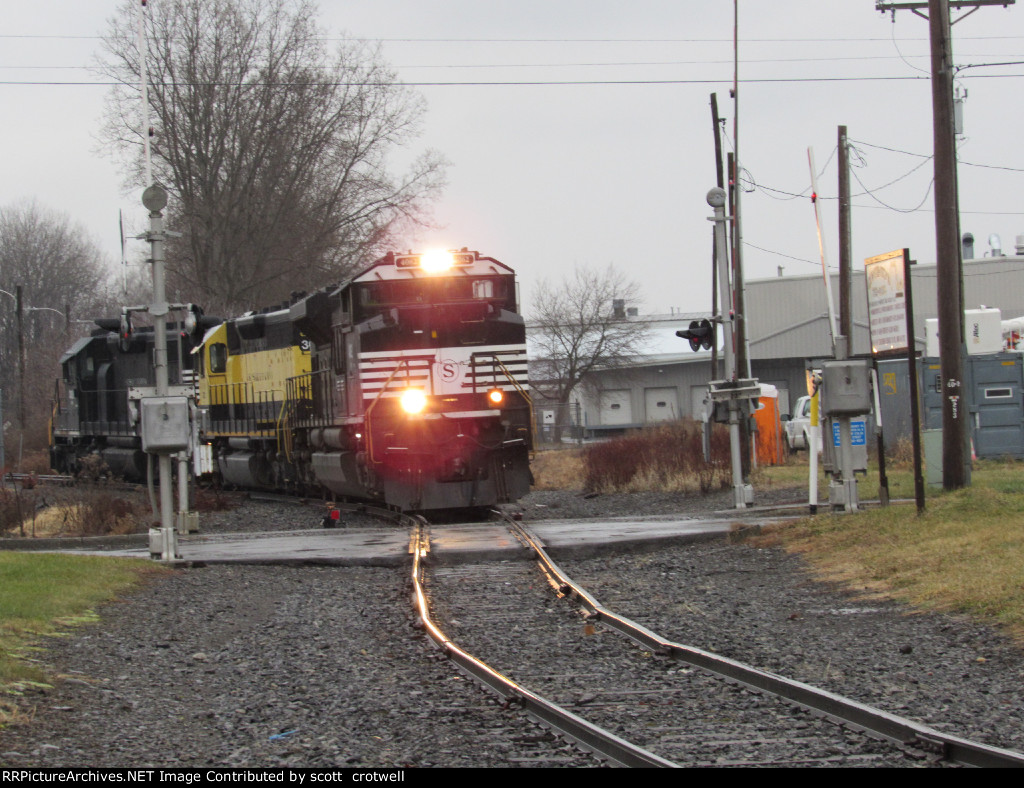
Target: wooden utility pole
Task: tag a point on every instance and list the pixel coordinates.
(845, 244)
(738, 286)
(20, 320)
(720, 182)
(947, 247)
(948, 262)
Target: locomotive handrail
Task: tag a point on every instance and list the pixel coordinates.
(282, 430)
(247, 410)
(402, 361)
(516, 385)
(304, 388)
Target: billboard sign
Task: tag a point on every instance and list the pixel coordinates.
(887, 302)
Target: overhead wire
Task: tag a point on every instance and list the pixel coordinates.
(928, 156)
(817, 40)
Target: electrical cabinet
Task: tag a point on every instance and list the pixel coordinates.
(165, 426)
(846, 387)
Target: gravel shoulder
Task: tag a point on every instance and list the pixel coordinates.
(318, 666)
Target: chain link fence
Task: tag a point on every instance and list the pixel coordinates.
(558, 424)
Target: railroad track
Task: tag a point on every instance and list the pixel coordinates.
(663, 704)
(34, 478)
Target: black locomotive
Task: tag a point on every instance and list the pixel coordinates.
(95, 402)
(406, 386)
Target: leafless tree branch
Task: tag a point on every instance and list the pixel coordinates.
(274, 149)
(575, 329)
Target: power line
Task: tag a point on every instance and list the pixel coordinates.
(366, 39)
(871, 194)
(780, 254)
(928, 156)
(512, 83)
(613, 64)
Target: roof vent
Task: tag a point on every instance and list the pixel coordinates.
(967, 244)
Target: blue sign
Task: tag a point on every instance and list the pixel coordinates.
(858, 433)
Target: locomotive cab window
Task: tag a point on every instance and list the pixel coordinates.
(483, 288)
(218, 358)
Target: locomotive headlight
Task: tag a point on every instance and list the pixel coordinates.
(436, 262)
(495, 397)
(413, 401)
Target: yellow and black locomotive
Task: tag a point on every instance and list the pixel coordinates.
(407, 385)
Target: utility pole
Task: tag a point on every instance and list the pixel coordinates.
(20, 321)
(845, 243)
(720, 182)
(948, 263)
(738, 284)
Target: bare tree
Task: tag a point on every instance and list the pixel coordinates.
(577, 326)
(273, 149)
(61, 273)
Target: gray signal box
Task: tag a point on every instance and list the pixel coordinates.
(164, 422)
(846, 387)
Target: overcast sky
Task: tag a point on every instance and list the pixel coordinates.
(585, 137)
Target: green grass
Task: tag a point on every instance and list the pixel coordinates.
(43, 594)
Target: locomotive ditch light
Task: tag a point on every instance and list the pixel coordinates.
(495, 397)
(413, 401)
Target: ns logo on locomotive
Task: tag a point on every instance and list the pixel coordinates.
(406, 386)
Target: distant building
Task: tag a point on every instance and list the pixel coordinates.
(787, 325)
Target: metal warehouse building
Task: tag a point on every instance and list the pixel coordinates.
(787, 325)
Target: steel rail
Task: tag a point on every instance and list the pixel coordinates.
(834, 707)
(36, 478)
(567, 724)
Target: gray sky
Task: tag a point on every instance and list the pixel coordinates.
(614, 166)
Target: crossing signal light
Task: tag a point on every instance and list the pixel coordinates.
(701, 334)
(125, 332)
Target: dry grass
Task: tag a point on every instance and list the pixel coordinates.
(561, 469)
(668, 457)
(80, 511)
(665, 458)
(964, 554)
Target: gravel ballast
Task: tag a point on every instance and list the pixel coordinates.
(325, 666)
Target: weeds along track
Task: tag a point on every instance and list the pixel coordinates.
(674, 705)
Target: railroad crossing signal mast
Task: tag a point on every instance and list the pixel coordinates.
(731, 396)
(163, 419)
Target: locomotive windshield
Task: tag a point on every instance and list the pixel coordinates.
(437, 312)
(374, 298)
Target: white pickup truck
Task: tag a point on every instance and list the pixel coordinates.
(798, 426)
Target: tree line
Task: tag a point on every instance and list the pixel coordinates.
(277, 152)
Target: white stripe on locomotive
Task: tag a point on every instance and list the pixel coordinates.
(452, 369)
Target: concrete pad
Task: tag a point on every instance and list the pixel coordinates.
(449, 544)
(579, 540)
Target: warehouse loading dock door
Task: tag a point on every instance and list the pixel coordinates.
(661, 404)
(616, 407)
